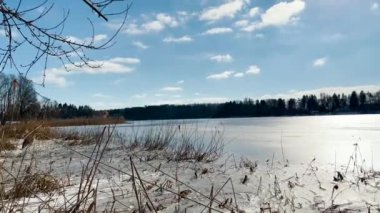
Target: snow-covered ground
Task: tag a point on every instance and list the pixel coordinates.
(232, 183)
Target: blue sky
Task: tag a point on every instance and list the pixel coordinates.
(190, 51)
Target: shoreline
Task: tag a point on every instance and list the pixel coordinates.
(267, 186)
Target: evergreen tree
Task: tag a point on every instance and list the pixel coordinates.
(354, 101)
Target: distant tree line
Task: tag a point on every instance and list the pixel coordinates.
(363, 102)
(20, 101)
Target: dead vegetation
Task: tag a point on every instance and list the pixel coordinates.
(6, 145)
(179, 144)
(21, 129)
(32, 184)
(167, 151)
(79, 137)
(84, 121)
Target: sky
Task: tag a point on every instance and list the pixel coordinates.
(179, 52)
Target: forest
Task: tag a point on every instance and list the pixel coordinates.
(20, 101)
(362, 102)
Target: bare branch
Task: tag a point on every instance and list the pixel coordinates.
(21, 29)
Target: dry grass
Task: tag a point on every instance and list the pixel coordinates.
(179, 144)
(42, 130)
(20, 130)
(84, 137)
(6, 145)
(32, 184)
(83, 121)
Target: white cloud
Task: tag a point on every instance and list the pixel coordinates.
(217, 30)
(88, 40)
(222, 58)
(4, 33)
(52, 79)
(325, 90)
(140, 45)
(220, 76)
(100, 37)
(57, 76)
(167, 20)
(227, 10)
(182, 39)
(122, 60)
(100, 95)
(180, 82)
(239, 75)
(153, 26)
(253, 70)
(375, 6)
(280, 14)
(254, 12)
(320, 62)
(159, 23)
(172, 89)
(241, 23)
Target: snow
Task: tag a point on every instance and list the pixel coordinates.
(272, 185)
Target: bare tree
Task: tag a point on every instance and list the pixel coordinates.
(22, 27)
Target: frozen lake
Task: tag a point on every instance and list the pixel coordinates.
(303, 138)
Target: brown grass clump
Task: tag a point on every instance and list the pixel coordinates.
(84, 137)
(41, 129)
(6, 145)
(32, 184)
(20, 130)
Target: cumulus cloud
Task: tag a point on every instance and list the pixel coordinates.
(220, 76)
(53, 79)
(159, 23)
(222, 58)
(183, 39)
(172, 89)
(254, 12)
(118, 65)
(241, 23)
(253, 70)
(140, 45)
(217, 30)
(239, 75)
(226, 10)
(320, 62)
(167, 20)
(280, 14)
